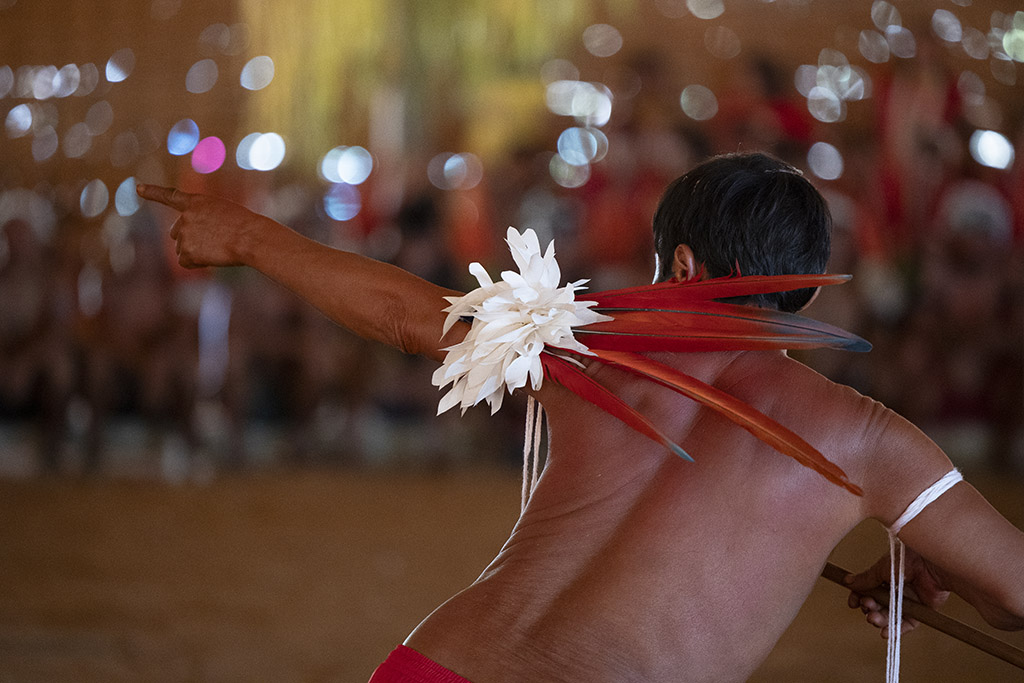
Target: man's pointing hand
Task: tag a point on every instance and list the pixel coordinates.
(210, 231)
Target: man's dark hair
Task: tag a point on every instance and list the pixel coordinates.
(749, 213)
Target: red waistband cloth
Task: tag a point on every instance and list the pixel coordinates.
(405, 665)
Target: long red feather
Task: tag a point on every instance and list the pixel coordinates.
(710, 326)
(704, 290)
(576, 381)
(764, 428)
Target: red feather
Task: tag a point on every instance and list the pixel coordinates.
(764, 428)
(660, 294)
(576, 381)
(712, 326)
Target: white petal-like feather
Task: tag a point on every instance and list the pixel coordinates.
(513, 319)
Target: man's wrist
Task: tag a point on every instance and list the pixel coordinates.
(255, 241)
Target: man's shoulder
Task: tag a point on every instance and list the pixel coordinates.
(804, 393)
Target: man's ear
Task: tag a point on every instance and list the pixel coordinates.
(684, 265)
(817, 291)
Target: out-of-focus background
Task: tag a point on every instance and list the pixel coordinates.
(203, 479)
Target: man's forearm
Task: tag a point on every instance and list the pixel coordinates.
(375, 300)
(1002, 612)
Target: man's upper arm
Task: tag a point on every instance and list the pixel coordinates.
(960, 532)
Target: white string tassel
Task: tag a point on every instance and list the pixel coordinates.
(896, 547)
(531, 450)
(538, 422)
(892, 657)
(531, 408)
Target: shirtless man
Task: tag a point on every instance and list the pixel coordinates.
(629, 564)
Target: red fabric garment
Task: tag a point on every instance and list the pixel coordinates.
(405, 665)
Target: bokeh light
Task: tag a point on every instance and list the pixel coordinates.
(873, 46)
(825, 161)
(354, 165)
(257, 73)
(602, 40)
(77, 141)
(568, 175)
(99, 117)
(705, 9)
(350, 165)
(971, 88)
(946, 26)
(825, 105)
(975, 43)
(267, 152)
(209, 155)
(216, 36)
(183, 138)
(244, 149)
(329, 165)
(589, 103)
(698, 102)
(991, 149)
(342, 202)
(580, 146)
(6, 80)
(722, 42)
(1013, 39)
(884, 15)
(902, 43)
(202, 76)
(67, 81)
(464, 171)
(448, 171)
(42, 82)
(19, 120)
(126, 201)
(94, 198)
(120, 65)
(88, 79)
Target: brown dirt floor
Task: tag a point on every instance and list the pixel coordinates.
(315, 576)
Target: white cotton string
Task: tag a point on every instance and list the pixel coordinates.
(892, 655)
(896, 547)
(531, 409)
(538, 422)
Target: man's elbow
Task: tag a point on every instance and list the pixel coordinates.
(1008, 614)
(403, 331)
(1015, 621)
(1005, 621)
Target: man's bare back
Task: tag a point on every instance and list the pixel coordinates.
(631, 564)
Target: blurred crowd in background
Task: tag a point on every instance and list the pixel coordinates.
(109, 350)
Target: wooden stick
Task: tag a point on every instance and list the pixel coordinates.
(940, 622)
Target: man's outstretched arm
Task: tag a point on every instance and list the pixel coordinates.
(375, 300)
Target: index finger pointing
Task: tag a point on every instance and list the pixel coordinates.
(169, 196)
